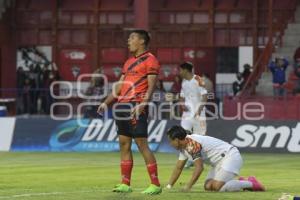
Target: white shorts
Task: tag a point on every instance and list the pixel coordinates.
(228, 168)
(195, 125)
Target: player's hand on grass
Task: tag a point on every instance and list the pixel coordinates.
(102, 107)
(168, 187)
(185, 189)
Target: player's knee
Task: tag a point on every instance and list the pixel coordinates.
(208, 185)
(142, 144)
(216, 185)
(143, 147)
(125, 146)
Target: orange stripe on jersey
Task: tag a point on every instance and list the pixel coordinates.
(126, 94)
(192, 146)
(135, 72)
(136, 63)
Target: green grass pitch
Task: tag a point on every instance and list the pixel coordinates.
(91, 176)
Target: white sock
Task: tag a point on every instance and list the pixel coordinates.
(235, 186)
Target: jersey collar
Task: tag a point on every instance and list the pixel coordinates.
(141, 54)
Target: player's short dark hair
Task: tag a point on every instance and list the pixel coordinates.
(145, 35)
(177, 132)
(187, 65)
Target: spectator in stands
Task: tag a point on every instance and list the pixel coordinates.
(246, 73)
(297, 55)
(297, 69)
(159, 92)
(51, 74)
(39, 85)
(278, 68)
(32, 75)
(158, 95)
(95, 89)
(238, 85)
(297, 73)
(209, 86)
(176, 87)
(21, 76)
(26, 96)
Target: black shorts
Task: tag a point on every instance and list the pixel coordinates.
(135, 128)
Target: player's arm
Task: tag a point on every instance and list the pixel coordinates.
(183, 107)
(111, 97)
(198, 163)
(176, 173)
(151, 78)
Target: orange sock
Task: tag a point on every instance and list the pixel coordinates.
(152, 170)
(126, 168)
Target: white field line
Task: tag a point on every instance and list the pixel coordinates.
(52, 193)
(71, 192)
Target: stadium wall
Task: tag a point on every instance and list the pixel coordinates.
(7, 125)
(45, 134)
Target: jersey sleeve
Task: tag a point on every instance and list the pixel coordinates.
(196, 156)
(153, 66)
(194, 149)
(202, 90)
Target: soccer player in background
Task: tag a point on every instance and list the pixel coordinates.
(224, 158)
(194, 96)
(133, 91)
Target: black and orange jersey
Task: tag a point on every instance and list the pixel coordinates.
(135, 71)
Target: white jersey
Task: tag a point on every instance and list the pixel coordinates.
(192, 91)
(211, 150)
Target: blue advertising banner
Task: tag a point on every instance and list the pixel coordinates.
(98, 135)
(81, 135)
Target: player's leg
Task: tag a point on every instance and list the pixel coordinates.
(234, 185)
(126, 164)
(140, 137)
(213, 181)
(126, 158)
(151, 164)
(125, 141)
(220, 180)
(223, 181)
(199, 125)
(208, 185)
(231, 184)
(230, 167)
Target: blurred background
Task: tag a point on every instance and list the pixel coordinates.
(60, 58)
(247, 49)
(230, 41)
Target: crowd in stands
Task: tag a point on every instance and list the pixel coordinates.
(297, 70)
(33, 94)
(278, 67)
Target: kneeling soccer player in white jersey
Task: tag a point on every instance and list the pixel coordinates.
(224, 159)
